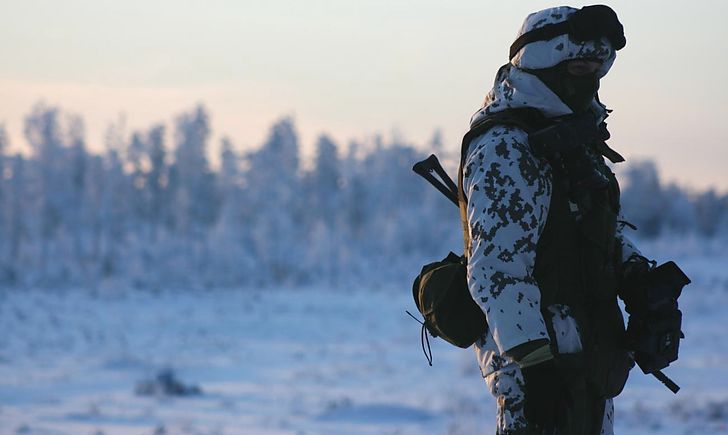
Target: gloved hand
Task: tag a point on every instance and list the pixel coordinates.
(545, 395)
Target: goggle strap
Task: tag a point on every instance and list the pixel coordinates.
(545, 33)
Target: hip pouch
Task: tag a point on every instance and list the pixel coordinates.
(442, 297)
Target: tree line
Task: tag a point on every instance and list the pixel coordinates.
(147, 213)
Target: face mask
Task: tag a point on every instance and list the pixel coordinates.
(576, 91)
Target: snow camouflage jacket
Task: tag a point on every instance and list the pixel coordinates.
(499, 166)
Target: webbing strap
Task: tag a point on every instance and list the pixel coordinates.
(545, 33)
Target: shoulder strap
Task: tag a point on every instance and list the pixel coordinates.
(528, 119)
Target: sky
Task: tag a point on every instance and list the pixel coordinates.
(354, 68)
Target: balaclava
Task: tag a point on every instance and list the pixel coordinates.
(576, 91)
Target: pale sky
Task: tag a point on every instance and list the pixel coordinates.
(353, 68)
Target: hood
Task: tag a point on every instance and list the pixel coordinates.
(515, 88)
(545, 54)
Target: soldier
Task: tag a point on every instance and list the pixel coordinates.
(543, 232)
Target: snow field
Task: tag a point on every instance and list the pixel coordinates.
(304, 361)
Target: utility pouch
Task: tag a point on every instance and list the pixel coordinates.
(610, 360)
(655, 337)
(616, 375)
(655, 320)
(442, 297)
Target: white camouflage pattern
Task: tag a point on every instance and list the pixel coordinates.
(509, 193)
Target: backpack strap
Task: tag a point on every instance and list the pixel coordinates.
(527, 119)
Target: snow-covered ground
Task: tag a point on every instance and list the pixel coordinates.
(304, 361)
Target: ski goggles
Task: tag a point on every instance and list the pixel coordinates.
(587, 24)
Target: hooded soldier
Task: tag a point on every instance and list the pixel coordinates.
(543, 231)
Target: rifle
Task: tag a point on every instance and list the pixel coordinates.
(445, 185)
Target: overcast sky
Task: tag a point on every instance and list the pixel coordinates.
(353, 68)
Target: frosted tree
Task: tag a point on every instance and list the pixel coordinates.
(326, 179)
(323, 186)
(116, 202)
(135, 157)
(51, 183)
(229, 182)
(196, 198)
(272, 193)
(94, 202)
(157, 180)
(355, 194)
(146, 157)
(398, 193)
(16, 217)
(192, 184)
(229, 164)
(76, 210)
(680, 216)
(234, 262)
(710, 212)
(643, 200)
(42, 131)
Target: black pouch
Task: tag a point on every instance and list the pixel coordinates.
(655, 337)
(617, 375)
(442, 297)
(609, 359)
(654, 330)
